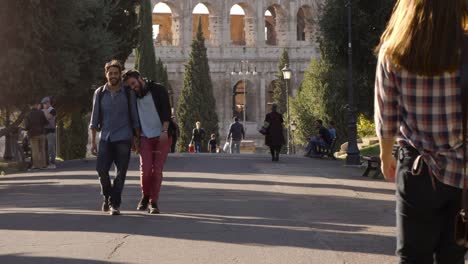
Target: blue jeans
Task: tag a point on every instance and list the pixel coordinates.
(425, 216)
(314, 144)
(235, 146)
(197, 147)
(119, 154)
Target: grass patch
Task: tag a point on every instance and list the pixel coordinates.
(372, 150)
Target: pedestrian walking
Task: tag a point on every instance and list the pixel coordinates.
(274, 137)
(51, 115)
(418, 103)
(212, 144)
(236, 135)
(35, 123)
(198, 135)
(115, 116)
(154, 112)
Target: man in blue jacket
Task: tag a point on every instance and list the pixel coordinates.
(115, 116)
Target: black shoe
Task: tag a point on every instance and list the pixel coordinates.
(143, 204)
(105, 205)
(153, 208)
(114, 210)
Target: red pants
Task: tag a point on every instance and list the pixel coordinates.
(153, 154)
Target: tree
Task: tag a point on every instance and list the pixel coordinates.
(280, 94)
(54, 48)
(369, 20)
(73, 137)
(124, 24)
(163, 77)
(197, 102)
(145, 61)
(317, 99)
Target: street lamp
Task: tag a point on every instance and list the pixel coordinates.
(244, 75)
(287, 73)
(293, 129)
(352, 157)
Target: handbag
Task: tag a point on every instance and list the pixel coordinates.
(191, 147)
(264, 129)
(461, 221)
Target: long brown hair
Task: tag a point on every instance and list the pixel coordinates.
(425, 36)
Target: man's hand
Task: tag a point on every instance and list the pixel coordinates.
(136, 145)
(93, 148)
(388, 167)
(164, 138)
(388, 162)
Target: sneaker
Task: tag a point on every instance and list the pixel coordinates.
(143, 204)
(153, 208)
(114, 210)
(52, 166)
(105, 205)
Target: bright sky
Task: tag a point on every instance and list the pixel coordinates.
(163, 8)
(237, 10)
(201, 9)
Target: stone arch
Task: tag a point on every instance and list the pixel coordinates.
(276, 25)
(242, 26)
(169, 24)
(202, 16)
(305, 24)
(239, 103)
(269, 95)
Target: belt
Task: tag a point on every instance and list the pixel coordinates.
(418, 162)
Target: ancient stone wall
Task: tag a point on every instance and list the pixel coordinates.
(292, 25)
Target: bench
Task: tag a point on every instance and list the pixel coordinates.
(329, 150)
(374, 162)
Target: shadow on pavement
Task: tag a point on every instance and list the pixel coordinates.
(21, 259)
(203, 214)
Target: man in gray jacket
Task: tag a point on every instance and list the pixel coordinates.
(236, 135)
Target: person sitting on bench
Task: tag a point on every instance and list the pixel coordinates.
(322, 139)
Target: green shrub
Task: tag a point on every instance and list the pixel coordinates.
(73, 137)
(365, 127)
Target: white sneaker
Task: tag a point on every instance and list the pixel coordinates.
(114, 210)
(52, 166)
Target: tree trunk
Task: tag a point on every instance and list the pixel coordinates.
(7, 155)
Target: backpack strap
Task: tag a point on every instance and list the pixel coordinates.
(99, 94)
(464, 88)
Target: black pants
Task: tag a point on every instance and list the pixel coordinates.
(425, 216)
(275, 151)
(119, 154)
(174, 144)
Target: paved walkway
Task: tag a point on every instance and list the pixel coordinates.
(216, 209)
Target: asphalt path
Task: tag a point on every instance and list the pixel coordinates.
(215, 209)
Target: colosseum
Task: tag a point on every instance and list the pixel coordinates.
(244, 41)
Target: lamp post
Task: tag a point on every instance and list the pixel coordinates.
(293, 129)
(352, 157)
(287, 73)
(245, 73)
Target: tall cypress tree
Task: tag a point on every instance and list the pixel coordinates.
(197, 102)
(279, 93)
(145, 57)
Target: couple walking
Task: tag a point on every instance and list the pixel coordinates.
(129, 111)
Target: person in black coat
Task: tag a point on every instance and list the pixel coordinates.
(274, 137)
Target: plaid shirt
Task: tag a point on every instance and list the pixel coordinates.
(424, 112)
